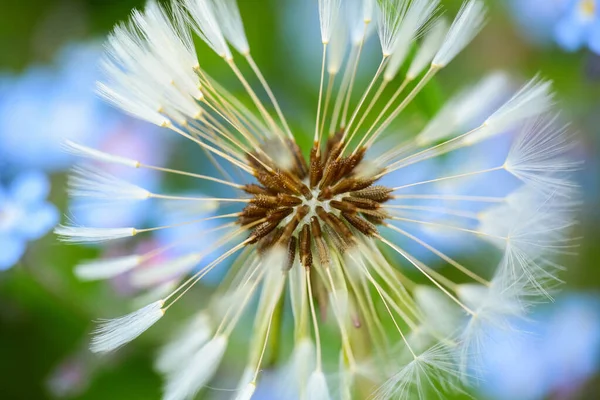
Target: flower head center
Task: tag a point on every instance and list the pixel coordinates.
(312, 205)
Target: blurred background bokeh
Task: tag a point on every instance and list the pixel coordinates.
(48, 65)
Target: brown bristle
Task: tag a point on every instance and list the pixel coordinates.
(287, 200)
(265, 201)
(263, 230)
(321, 246)
(291, 253)
(256, 189)
(279, 213)
(363, 226)
(316, 167)
(253, 210)
(305, 252)
(376, 193)
(365, 204)
(269, 240)
(301, 166)
(375, 218)
(336, 224)
(343, 206)
(331, 171)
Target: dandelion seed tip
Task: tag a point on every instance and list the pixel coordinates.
(437, 66)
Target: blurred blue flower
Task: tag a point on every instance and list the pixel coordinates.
(572, 24)
(46, 105)
(557, 354)
(25, 215)
(579, 26)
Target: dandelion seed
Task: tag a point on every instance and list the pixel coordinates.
(315, 228)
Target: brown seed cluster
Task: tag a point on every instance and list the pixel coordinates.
(313, 205)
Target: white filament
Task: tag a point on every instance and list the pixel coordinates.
(391, 15)
(464, 108)
(206, 25)
(187, 381)
(431, 44)
(80, 234)
(88, 152)
(317, 388)
(417, 15)
(114, 333)
(230, 21)
(328, 13)
(95, 183)
(466, 26)
(184, 344)
(106, 268)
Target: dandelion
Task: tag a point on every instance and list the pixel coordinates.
(324, 230)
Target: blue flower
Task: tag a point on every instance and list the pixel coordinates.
(557, 355)
(579, 26)
(25, 215)
(572, 24)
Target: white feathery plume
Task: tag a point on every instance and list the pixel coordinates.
(417, 15)
(466, 26)
(206, 25)
(328, 14)
(106, 268)
(297, 371)
(440, 314)
(184, 344)
(532, 100)
(187, 381)
(80, 150)
(317, 388)
(174, 43)
(80, 234)
(149, 67)
(430, 45)
(464, 108)
(247, 392)
(496, 306)
(359, 14)
(230, 21)
(114, 333)
(391, 15)
(337, 48)
(435, 369)
(538, 156)
(169, 269)
(95, 183)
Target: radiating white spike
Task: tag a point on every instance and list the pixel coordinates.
(114, 333)
(417, 378)
(80, 150)
(391, 15)
(230, 21)
(95, 183)
(247, 392)
(184, 344)
(417, 15)
(205, 24)
(187, 381)
(149, 67)
(328, 13)
(337, 48)
(441, 315)
(317, 388)
(532, 100)
(169, 269)
(80, 234)
(538, 156)
(465, 108)
(106, 268)
(431, 44)
(466, 26)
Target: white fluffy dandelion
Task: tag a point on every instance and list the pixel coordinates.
(321, 230)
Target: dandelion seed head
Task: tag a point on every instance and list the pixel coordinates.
(340, 227)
